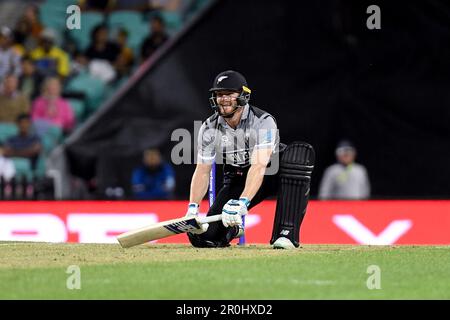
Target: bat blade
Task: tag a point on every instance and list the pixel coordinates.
(158, 231)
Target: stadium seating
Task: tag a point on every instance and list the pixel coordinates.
(93, 89)
(114, 87)
(53, 15)
(7, 130)
(195, 7)
(40, 169)
(23, 168)
(137, 28)
(173, 21)
(78, 107)
(85, 92)
(23, 165)
(125, 18)
(82, 37)
(50, 138)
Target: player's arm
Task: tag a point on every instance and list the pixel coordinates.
(200, 182)
(200, 179)
(255, 176)
(28, 152)
(206, 154)
(234, 209)
(260, 158)
(199, 186)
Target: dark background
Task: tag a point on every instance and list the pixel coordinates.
(317, 68)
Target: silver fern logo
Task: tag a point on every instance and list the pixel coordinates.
(221, 79)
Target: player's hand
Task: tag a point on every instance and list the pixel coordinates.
(233, 211)
(192, 212)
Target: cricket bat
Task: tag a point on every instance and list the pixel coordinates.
(163, 229)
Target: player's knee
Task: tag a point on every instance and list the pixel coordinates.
(217, 236)
(196, 240)
(199, 241)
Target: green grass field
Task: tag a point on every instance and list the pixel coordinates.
(38, 271)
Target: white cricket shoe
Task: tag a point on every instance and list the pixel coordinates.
(283, 243)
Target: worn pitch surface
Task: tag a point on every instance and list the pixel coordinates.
(41, 271)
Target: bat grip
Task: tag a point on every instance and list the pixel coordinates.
(210, 219)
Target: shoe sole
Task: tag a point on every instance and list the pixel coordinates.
(280, 246)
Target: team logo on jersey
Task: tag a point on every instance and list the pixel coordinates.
(225, 140)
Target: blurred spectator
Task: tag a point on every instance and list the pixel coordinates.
(7, 169)
(125, 59)
(102, 54)
(79, 64)
(50, 60)
(30, 81)
(50, 107)
(9, 59)
(32, 17)
(22, 31)
(346, 179)
(28, 29)
(100, 47)
(169, 5)
(102, 70)
(12, 102)
(155, 179)
(136, 5)
(96, 5)
(158, 36)
(125, 51)
(25, 144)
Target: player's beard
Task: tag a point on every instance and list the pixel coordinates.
(229, 114)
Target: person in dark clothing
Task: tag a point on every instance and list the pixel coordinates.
(100, 47)
(155, 179)
(30, 81)
(157, 38)
(25, 144)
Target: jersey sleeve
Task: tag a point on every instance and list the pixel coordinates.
(206, 145)
(365, 192)
(267, 134)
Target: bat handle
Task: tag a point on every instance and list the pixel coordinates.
(212, 185)
(215, 218)
(242, 238)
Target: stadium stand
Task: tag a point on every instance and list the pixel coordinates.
(85, 89)
(82, 37)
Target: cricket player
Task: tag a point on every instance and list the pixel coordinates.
(256, 166)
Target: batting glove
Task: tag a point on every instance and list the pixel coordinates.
(192, 212)
(233, 211)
